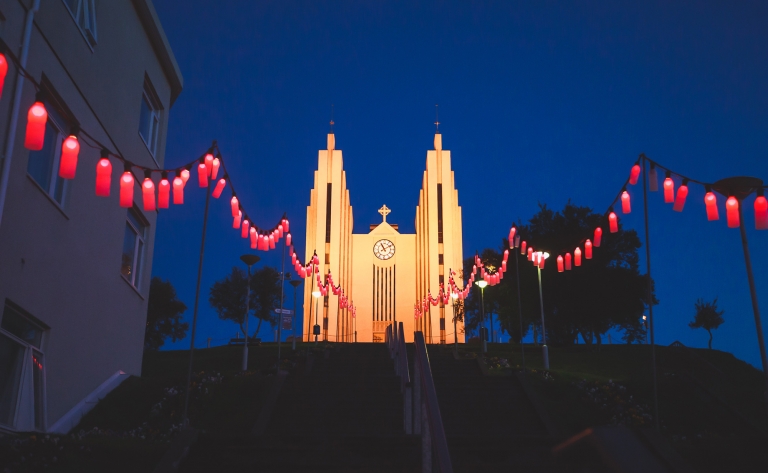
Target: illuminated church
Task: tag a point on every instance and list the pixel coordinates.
(384, 272)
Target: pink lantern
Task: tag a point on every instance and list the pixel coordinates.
(567, 261)
(711, 203)
(598, 237)
(236, 219)
(271, 242)
(542, 259)
(288, 240)
(3, 72)
(202, 175)
(126, 188)
(613, 222)
(70, 148)
(625, 205)
(653, 179)
(163, 192)
(634, 174)
(185, 176)
(103, 176)
(577, 256)
(512, 232)
(37, 117)
(280, 231)
(522, 248)
(215, 168)
(588, 249)
(682, 193)
(208, 161)
(254, 236)
(761, 212)
(530, 254)
(235, 205)
(219, 188)
(669, 190)
(560, 267)
(732, 212)
(148, 192)
(245, 228)
(286, 225)
(178, 190)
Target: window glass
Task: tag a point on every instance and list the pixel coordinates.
(129, 247)
(145, 120)
(20, 326)
(37, 381)
(84, 13)
(40, 163)
(11, 357)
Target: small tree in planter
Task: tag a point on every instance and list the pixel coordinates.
(707, 317)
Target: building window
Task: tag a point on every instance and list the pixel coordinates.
(133, 247)
(149, 120)
(20, 339)
(84, 14)
(43, 165)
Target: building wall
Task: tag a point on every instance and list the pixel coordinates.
(383, 291)
(61, 264)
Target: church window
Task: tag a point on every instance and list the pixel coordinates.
(328, 214)
(439, 213)
(440, 258)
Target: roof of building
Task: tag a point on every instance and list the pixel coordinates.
(154, 28)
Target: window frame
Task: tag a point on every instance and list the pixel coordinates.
(149, 96)
(139, 247)
(86, 9)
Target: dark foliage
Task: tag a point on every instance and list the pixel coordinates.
(707, 317)
(228, 296)
(164, 311)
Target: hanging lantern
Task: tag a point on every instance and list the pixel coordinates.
(215, 168)
(710, 200)
(236, 220)
(530, 254)
(669, 189)
(542, 259)
(567, 261)
(653, 179)
(577, 256)
(286, 225)
(634, 174)
(202, 175)
(280, 231)
(682, 193)
(178, 190)
(148, 192)
(560, 264)
(625, 205)
(36, 120)
(103, 175)
(185, 176)
(288, 240)
(271, 242)
(208, 161)
(522, 248)
(598, 237)
(263, 243)
(761, 211)
(517, 241)
(732, 212)
(163, 191)
(126, 188)
(246, 227)
(235, 205)
(254, 237)
(588, 249)
(3, 72)
(219, 188)
(613, 222)
(70, 148)
(512, 232)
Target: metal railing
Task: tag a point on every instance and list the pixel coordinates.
(421, 411)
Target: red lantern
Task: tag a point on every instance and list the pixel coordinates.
(542, 259)
(3, 72)
(236, 219)
(260, 244)
(522, 248)
(761, 213)
(208, 161)
(126, 188)
(202, 175)
(567, 261)
(36, 120)
(246, 228)
(185, 176)
(163, 192)
(271, 242)
(235, 206)
(598, 237)
(560, 264)
(625, 205)
(215, 168)
(286, 225)
(178, 190)
(682, 193)
(219, 188)
(588, 249)
(732, 212)
(653, 179)
(103, 176)
(512, 232)
(148, 192)
(577, 256)
(280, 231)
(669, 190)
(530, 254)
(288, 240)
(613, 222)
(70, 148)
(634, 174)
(711, 202)
(254, 237)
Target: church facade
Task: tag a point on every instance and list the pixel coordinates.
(384, 272)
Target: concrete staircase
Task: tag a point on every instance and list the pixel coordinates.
(344, 415)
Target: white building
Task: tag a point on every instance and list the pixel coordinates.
(74, 267)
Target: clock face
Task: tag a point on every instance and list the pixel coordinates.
(384, 249)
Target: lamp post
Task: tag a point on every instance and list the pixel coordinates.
(316, 328)
(519, 303)
(544, 349)
(249, 261)
(454, 296)
(295, 283)
(645, 326)
(481, 284)
(283, 277)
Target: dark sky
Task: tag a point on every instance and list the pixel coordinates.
(540, 102)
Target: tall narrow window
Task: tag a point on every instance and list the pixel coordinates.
(133, 247)
(43, 165)
(439, 213)
(149, 118)
(328, 208)
(84, 14)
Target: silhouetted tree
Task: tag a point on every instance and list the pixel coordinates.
(227, 296)
(164, 311)
(707, 317)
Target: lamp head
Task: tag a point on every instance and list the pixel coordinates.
(316, 293)
(545, 255)
(454, 295)
(249, 260)
(481, 283)
(295, 282)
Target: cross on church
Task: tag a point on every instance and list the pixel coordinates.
(384, 211)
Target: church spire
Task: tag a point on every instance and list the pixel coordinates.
(438, 136)
(331, 136)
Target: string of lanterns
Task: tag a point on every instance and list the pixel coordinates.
(312, 268)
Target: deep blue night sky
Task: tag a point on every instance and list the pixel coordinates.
(540, 102)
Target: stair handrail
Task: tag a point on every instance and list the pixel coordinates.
(430, 419)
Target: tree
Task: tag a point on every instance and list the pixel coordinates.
(164, 311)
(227, 296)
(707, 317)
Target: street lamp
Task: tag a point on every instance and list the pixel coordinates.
(454, 296)
(645, 326)
(249, 261)
(519, 303)
(481, 284)
(316, 328)
(295, 283)
(544, 349)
